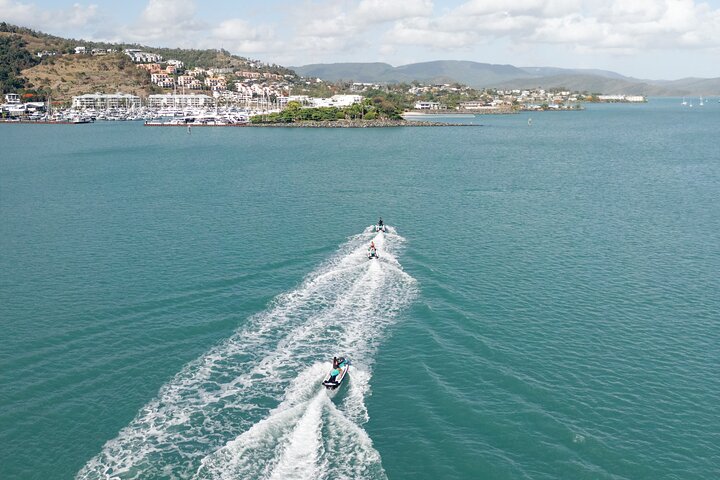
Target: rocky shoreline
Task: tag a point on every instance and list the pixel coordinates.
(361, 124)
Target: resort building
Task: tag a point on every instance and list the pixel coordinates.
(477, 105)
(12, 98)
(176, 63)
(138, 56)
(102, 51)
(188, 81)
(247, 74)
(216, 83)
(104, 101)
(336, 101)
(621, 98)
(282, 101)
(427, 106)
(196, 72)
(162, 80)
(218, 71)
(181, 101)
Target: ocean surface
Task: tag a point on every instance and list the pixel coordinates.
(546, 304)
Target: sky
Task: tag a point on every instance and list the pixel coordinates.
(653, 39)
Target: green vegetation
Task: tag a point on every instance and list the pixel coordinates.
(14, 57)
(375, 108)
(23, 72)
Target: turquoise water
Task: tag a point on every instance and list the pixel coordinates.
(547, 304)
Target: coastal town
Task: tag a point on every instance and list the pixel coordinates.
(235, 95)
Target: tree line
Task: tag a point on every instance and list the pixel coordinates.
(372, 108)
(14, 58)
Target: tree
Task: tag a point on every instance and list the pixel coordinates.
(14, 58)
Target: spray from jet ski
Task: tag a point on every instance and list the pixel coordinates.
(254, 406)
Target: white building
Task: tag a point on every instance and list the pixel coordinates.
(427, 106)
(621, 98)
(80, 50)
(12, 98)
(181, 101)
(336, 101)
(162, 80)
(103, 101)
(138, 56)
(176, 63)
(218, 71)
(190, 82)
(476, 105)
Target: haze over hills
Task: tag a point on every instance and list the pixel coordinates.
(485, 75)
(65, 74)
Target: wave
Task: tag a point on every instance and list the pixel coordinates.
(253, 406)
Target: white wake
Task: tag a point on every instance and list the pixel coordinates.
(253, 406)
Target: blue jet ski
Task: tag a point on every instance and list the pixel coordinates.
(336, 374)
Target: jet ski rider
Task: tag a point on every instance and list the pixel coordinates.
(372, 250)
(338, 363)
(380, 222)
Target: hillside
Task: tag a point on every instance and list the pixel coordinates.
(553, 71)
(69, 75)
(484, 75)
(473, 74)
(66, 74)
(14, 57)
(598, 84)
(336, 72)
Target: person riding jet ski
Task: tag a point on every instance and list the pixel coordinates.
(335, 377)
(380, 227)
(372, 251)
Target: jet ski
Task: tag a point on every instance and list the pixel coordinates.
(380, 228)
(373, 254)
(331, 381)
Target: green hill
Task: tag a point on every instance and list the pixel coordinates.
(473, 74)
(484, 75)
(66, 74)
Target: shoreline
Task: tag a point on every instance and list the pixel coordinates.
(361, 124)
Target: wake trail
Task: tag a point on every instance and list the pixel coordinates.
(253, 406)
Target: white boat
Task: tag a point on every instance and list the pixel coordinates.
(81, 119)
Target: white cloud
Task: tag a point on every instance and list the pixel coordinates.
(378, 11)
(167, 22)
(244, 37)
(591, 25)
(328, 30)
(331, 29)
(78, 16)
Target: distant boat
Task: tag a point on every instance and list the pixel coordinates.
(684, 102)
(701, 102)
(529, 121)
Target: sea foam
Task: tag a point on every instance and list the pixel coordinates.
(253, 406)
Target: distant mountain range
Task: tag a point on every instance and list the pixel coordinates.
(486, 75)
